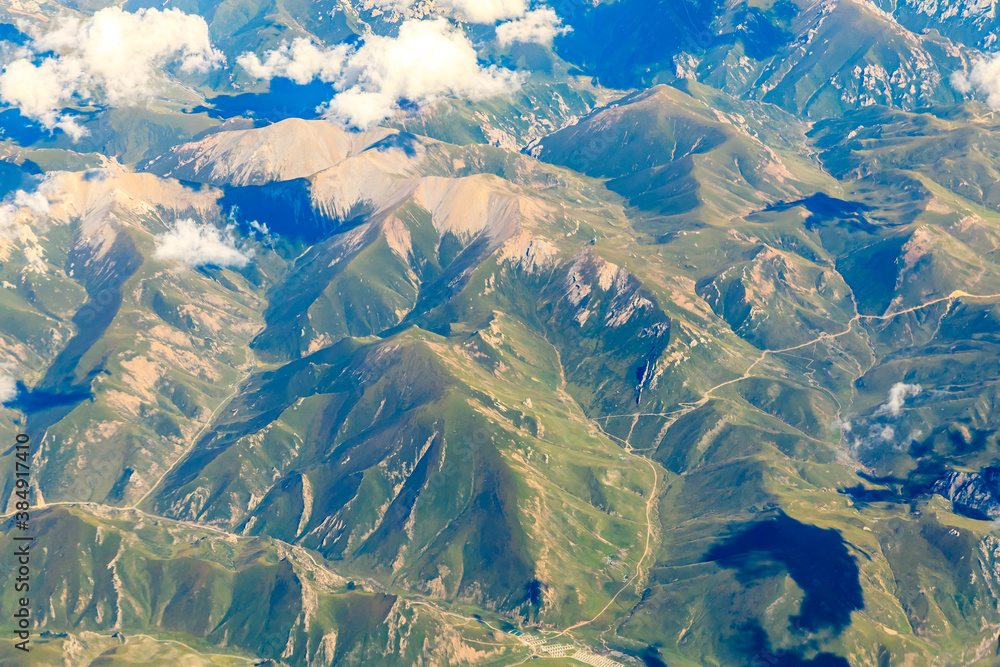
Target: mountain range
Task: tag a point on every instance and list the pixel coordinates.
(630, 333)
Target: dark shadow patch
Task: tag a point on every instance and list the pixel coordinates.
(784, 10)
(533, 592)
(287, 210)
(65, 384)
(657, 31)
(816, 559)
(756, 646)
(17, 176)
(974, 495)
(761, 37)
(404, 141)
(20, 129)
(30, 401)
(10, 33)
(824, 209)
(652, 657)
(16, 127)
(285, 99)
(117, 491)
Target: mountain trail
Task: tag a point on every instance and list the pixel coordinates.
(208, 423)
(689, 407)
(686, 408)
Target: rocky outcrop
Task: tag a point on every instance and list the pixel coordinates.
(973, 494)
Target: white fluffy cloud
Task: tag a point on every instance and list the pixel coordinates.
(114, 53)
(427, 61)
(843, 424)
(897, 397)
(540, 26)
(194, 244)
(8, 388)
(40, 90)
(485, 11)
(984, 78)
(22, 205)
(960, 82)
(885, 429)
(301, 61)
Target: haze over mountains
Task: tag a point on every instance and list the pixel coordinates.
(373, 333)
